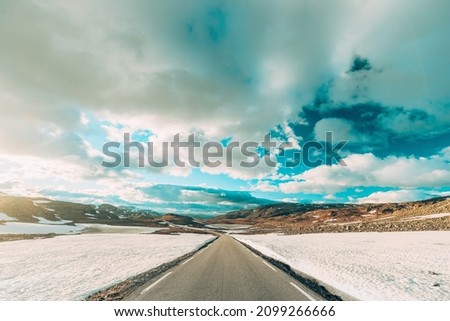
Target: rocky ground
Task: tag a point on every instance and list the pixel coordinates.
(430, 215)
(437, 224)
(16, 237)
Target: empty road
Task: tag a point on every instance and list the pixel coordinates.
(224, 271)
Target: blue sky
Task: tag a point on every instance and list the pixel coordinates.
(75, 75)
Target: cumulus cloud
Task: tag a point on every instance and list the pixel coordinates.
(205, 58)
(265, 187)
(206, 64)
(29, 177)
(369, 170)
(375, 72)
(395, 196)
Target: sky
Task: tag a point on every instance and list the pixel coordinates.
(76, 75)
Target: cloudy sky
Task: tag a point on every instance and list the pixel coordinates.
(77, 74)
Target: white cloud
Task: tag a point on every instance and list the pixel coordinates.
(265, 187)
(330, 197)
(129, 64)
(32, 176)
(260, 171)
(173, 69)
(394, 196)
(369, 170)
(290, 200)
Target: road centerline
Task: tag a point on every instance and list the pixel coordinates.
(216, 274)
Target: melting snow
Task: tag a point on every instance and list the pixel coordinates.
(36, 203)
(426, 217)
(32, 228)
(72, 267)
(368, 266)
(4, 217)
(42, 220)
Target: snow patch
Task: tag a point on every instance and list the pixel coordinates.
(4, 217)
(72, 267)
(426, 217)
(104, 228)
(36, 203)
(42, 220)
(32, 228)
(368, 266)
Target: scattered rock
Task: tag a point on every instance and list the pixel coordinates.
(433, 273)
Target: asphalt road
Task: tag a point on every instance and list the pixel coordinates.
(224, 271)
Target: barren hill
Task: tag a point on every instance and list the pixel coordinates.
(34, 210)
(432, 214)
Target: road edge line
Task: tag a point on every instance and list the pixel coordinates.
(124, 290)
(155, 283)
(302, 291)
(310, 283)
(269, 265)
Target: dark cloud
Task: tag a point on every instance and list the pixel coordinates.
(360, 63)
(235, 69)
(200, 200)
(383, 130)
(163, 198)
(177, 193)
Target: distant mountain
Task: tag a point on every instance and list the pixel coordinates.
(298, 218)
(287, 209)
(288, 217)
(279, 209)
(180, 220)
(43, 210)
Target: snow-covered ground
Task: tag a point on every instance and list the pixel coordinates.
(42, 227)
(38, 228)
(73, 266)
(4, 217)
(42, 220)
(368, 266)
(426, 217)
(104, 228)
